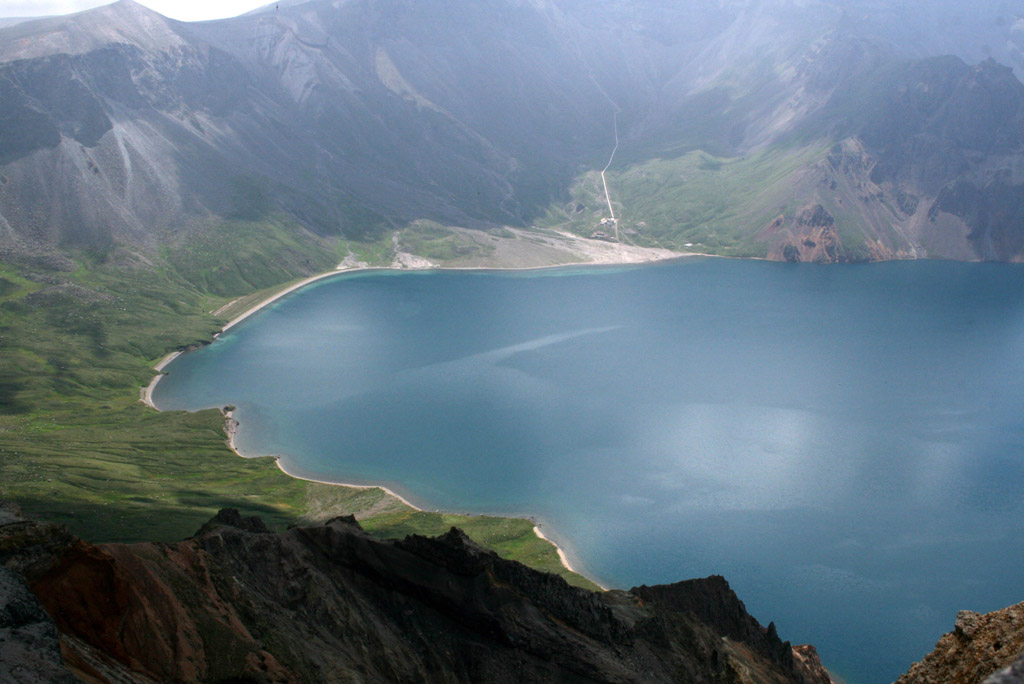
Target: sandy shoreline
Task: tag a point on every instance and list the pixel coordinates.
(146, 395)
(287, 291)
(633, 257)
(561, 553)
(617, 255)
(390, 492)
(231, 427)
(562, 556)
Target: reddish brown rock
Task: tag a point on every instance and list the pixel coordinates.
(978, 646)
(329, 603)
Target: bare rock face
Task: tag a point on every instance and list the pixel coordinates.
(716, 604)
(978, 646)
(238, 602)
(1010, 675)
(29, 644)
(29, 547)
(806, 657)
(810, 236)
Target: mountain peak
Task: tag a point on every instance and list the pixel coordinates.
(122, 22)
(993, 71)
(127, 7)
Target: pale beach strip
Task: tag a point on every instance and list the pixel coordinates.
(562, 556)
(147, 391)
(146, 395)
(387, 490)
(561, 553)
(287, 291)
(231, 427)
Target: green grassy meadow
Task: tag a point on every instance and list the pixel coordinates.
(696, 198)
(79, 334)
(437, 243)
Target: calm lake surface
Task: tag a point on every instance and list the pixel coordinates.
(844, 443)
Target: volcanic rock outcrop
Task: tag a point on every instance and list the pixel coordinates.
(239, 603)
(978, 647)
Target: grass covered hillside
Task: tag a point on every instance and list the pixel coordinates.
(79, 334)
(697, 199)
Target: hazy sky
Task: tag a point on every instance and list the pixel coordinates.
(186, 10)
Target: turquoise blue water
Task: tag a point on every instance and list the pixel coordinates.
(844, 443)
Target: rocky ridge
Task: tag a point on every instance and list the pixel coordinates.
(978, 646)
(239, 603)
(1014, 674)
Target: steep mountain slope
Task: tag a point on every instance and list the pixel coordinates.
(926, 165)
(104, 137)
(121, 123)
(239, 603)
(351, 116)
(867, 156)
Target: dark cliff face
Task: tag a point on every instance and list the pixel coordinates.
(713, 602)
(927, 163)
(329, 603)
(29, 642)
(954, 134)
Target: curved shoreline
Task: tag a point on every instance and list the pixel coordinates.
(146, 393)
(231, 427)
(561, 555)
(287, 291)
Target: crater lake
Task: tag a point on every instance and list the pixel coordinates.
(844, 443)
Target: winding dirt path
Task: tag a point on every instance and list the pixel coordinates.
(604, 181)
